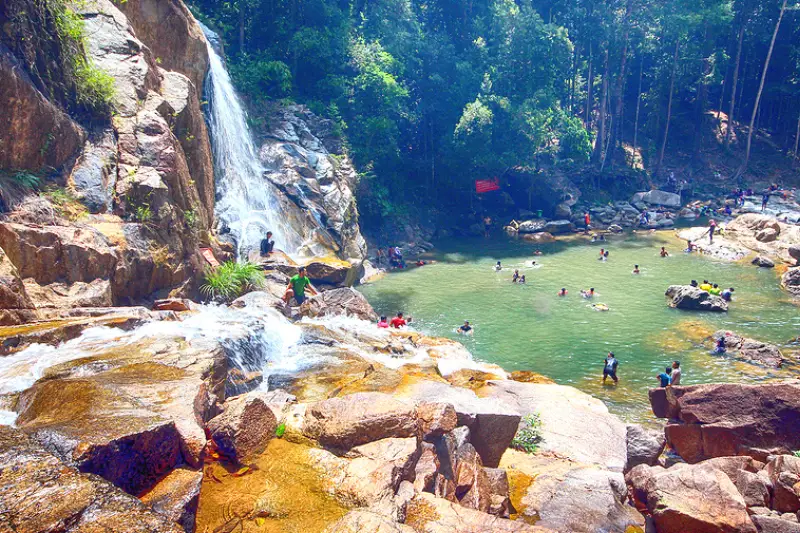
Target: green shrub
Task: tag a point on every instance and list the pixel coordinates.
(796, 453)
(190, 217)
(529, 436)
(23, 180)
(65, 202)
(231, 279)
(143, 213)
(262, 79)
(280, 430)
(95, 86)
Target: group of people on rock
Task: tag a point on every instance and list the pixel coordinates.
(714, 289)
(392, 257)
(298, 284)
(671, 375)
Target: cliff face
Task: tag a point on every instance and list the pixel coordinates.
(128, 200)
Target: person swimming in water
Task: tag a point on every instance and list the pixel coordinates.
(664, 252)
(498, 267)
(515, 277)
(690, 247)
(720, 347)
(635, 269)
(727, 294)
(521, 279)
(562, 292)
(605, 256)
(466, 329)
(588, 294)
(602, 254)
(537, 252)
(383, 323)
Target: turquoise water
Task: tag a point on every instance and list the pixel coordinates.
(528, 327)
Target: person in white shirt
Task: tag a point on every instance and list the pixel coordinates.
(676, 373)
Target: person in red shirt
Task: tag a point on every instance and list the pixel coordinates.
(399, 321)
(587, 221)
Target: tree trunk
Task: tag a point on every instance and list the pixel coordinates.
(241, 28)
(601, 127)
(660, 160)
(721, 102)
(702, 95)
(796, 142)
(732, 107)
(638, 106)
(619, 89)
(589, 90)
(746, 161)
(573, 78)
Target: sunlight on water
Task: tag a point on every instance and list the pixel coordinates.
(528, 327)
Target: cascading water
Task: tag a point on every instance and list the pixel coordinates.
(247, 204)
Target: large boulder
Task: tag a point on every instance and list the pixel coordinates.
(774, 524)
(784, 473)
(791, 281)
(358, 419)
(345, 301)
(40, 493)
(660, 198)
(728, 419)
(13, 295)
(557, 227)
(794, 252)
(750, 350)
(532, 226)
(763, 262)
(331, 271)
(644, 446)
(365, 521)
(244, 427)
(696, 498)
(564, 413)
(694, 299)
(176, 497)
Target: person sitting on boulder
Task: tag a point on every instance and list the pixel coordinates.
(399, 322)
(693, 283)
(715, 290)
(297, 287)
(727, 294)
(705, 286)
(383, 323)
(664, 377)
(267, 245)
(610, 367)
(690, 247)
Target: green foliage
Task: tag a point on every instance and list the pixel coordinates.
(95, 86)
(231, 279)
(65, 202)
(23, 180)
(190, 217)
(529, 436)
(280, 430)
(261, 78)
(796, 453)
(143, 214)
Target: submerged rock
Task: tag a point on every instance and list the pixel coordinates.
(694, 299)
(176, 497)
(750, 350)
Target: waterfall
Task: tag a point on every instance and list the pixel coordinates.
(247, 204)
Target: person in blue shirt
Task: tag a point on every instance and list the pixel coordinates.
(665, 378)
(610, 367)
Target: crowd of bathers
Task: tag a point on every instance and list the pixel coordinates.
(714, 289)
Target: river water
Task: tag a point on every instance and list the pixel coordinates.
(528, 327)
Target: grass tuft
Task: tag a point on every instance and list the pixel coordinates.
(231, 279)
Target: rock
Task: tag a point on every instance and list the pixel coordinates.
(176, 496)
(763, 262)
(750, 350)
(173, 304)
(557, 227)
(93, 176)
(436, 419)
(244, 427)
(429, 514)
(767, 235)
(336, 302)
(334, 272)
(540, 237)
(784, 473)
(526, 376)
(656, 197)
(615, 228)
(794, 252)
(693, 299)
(364, 521)
(754, 488)
(772, 524)
(693, 498)
(63, 296)
(472, 488)
(35, 133)
(563, 211)
(12, 290)
(426, 469)
(358, 419)
(644, 446)
(721, 420)
(532, 226)
(40, 493)
(500, 503)
(564, 413)
(791, 280)
(492, 425)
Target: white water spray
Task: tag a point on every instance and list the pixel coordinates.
(247, 203)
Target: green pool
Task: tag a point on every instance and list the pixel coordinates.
(527, 327)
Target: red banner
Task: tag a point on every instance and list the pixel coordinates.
(482, 186)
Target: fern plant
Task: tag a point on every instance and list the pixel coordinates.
(231, 279)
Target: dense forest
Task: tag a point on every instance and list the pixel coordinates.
(432, 94)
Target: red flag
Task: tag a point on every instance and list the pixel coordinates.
(482, 186)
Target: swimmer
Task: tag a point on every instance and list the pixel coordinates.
(537, 252)
(521, 279)
(605, 256)
(588, 294)
(562, 292)
(600, 307)
(498, 267)
(602, 254)
(727, 294)
(535, 264)
(690, 247)
(720, 348)
(383, 323)
(664, 252)
(515, 277)
(635, 269)
(466, 329)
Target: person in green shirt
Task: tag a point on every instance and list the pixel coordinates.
(715, 290)
(298, 284)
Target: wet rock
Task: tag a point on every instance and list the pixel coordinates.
(358, 419)
(763, 262)
(564, 413)
(436, 419)
(173, 304)
(656, 197)
(365, 521)
(40, 493)
(176, 496)
(693, 299)
(791, 280)
(722, 420)
(773, 524)
(244, 427)
(336, 302)
(750, 350)
(334, 272)
(644, 446)
(429, 514)
(492, 425)
(690, 498)
(784, 473)
(97, 293)
(526, 376)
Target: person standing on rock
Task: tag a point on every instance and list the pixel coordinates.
(676, 373)
(764, 201)
(587, 221)
(297, 287)
(610, 367)
(267, 245)
(712, 226)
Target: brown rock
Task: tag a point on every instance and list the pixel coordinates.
(784, 473)
(750, 350)
(173, 304)
(429, 514)
(331, 271)
(244, 427)
(358, 419)
(697, 498)
(40, 493)
(436, 419)
(724, 420)
(176, 496)
(344, 301)
(63, 296)
(500, 504)
(12, 290)
(644, 446)
(364, 521)
(790, 280)
(767, 235)
(694, 299)
(774, 524)
(754, 488)
(526, 376)
(473, 489)
(426, 469)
